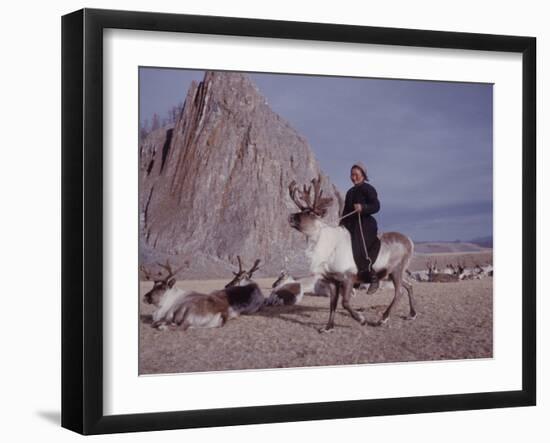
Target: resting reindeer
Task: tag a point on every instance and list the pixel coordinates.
(164, 295)
(178, 307)
(242, 276)
(310, 285)
(308, 282)
(330, 252)
(483, 271)
(286, 291)
(254, 300)
(419, 275)
(214, 309)
(449, 274)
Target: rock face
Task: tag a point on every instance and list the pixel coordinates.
(215, 185)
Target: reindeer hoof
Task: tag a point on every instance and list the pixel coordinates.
(325, 329)
(380, 322)
(411, 317)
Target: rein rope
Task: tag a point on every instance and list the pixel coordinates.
(362, 235)
(347, 215)
(364, 244)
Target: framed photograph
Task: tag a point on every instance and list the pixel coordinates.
(269, 221)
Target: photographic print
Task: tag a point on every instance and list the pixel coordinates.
(307, 201)
(293, 221)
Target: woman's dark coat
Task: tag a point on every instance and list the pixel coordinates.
(367, 197)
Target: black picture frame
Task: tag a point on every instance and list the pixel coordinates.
(82, 218)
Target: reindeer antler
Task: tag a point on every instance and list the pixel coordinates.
(171, 272)
(306, 195)
(320, 203)
(292, 189)
(240, 266)
(146, 272)
(254, 268)
(303, 200)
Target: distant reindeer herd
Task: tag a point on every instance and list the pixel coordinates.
(333, 274)
(451, 272)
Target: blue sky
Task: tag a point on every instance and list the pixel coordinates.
(427, 145)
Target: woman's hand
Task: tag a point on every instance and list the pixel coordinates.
(358, 207)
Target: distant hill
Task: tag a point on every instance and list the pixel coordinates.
(447, 247)
(486, 242)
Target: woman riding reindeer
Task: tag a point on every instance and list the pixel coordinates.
(362, 199)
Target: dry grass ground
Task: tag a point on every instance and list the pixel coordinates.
(454, 322)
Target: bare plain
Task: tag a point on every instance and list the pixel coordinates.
(454, 322)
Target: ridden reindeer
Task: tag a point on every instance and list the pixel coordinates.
(330, 253)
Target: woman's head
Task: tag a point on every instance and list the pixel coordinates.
(358, 173)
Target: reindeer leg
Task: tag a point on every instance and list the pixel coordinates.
(225, 317)
(346, 296)
(409, 288)
(333, 304)
(185, 325)
(181, 318)
(160, 325)
(396, 277)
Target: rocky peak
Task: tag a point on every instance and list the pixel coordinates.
(214, 185)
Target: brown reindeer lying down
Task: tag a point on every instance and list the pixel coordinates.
(214, 309)
(189, 309)
(286, 291)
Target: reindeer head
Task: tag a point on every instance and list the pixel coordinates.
(161, 283)
(461, 267)
(432, 267)
(312, 208)
(283, 276)
(478, 268)
(243, 277)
